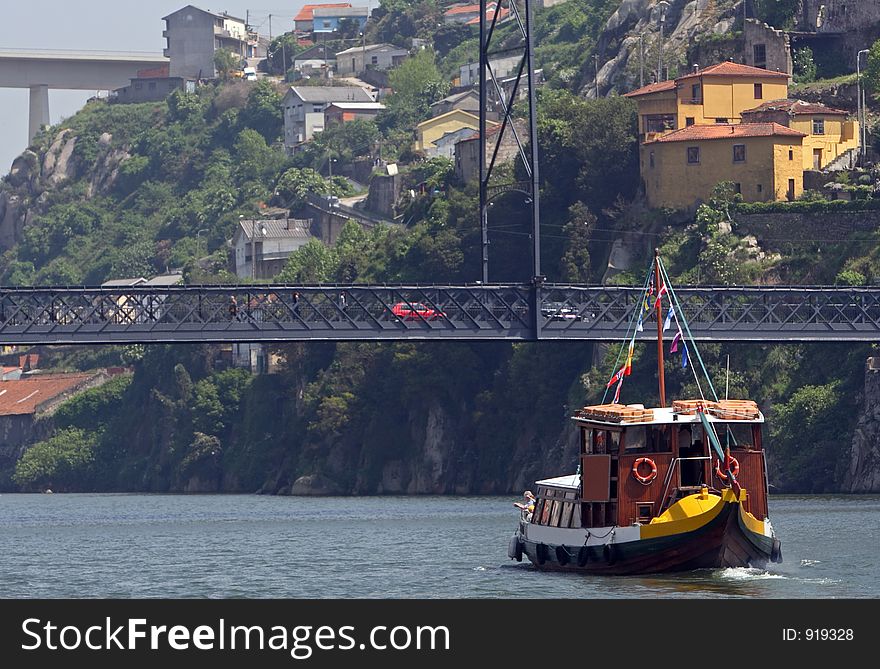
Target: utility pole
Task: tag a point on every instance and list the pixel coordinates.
(661, 8)
(861, 114)
(596, 59)
(253, 248)
(641, 59)
(270, 27)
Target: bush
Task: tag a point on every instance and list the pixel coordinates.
(63, 460)
(806, 207)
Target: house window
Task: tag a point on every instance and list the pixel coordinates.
(693, 154)
(689, 121)
(326, 24)
(720, 120)
(739, 153)
(651, 159)
(152, 85)
(759, 91)
(818, 126)
(760, 188)
(737, 188)
(659, 122)
(695, 92)
(374, 60)
(317, 108)
(791, 154)
(138, 86)
(760, 53)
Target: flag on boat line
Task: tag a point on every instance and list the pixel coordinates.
(684, 355)
(660, 294)
(618, 376)
(639, 326)
(675, 341)
(629, 358)
(617, 391)
(668, 322)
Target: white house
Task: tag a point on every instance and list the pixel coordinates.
(469, 74)
(271, 241)
(304, 106)
(369, 57)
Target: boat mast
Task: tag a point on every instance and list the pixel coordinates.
(659, 306)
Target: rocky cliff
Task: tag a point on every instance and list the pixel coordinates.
(864, 467)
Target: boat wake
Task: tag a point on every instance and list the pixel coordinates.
(748, 574)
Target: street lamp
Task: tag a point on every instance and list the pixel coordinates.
(860, 105)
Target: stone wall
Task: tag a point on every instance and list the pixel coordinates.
(774, 231)
(384, 191)
(761, 39)
(864, 468)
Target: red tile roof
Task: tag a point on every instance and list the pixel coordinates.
(305, 14)
(652, 88)
(729, 69)
(728, 131)
(467, 9)
(23, 396)
(795, 107)
(502, 14)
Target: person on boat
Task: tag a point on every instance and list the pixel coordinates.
(527, 506)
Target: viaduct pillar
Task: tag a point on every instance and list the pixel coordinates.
(39, 110)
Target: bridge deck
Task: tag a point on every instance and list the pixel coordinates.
(467, 312)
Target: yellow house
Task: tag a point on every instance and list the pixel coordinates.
(428, 132)
(716, 94)
(764, 160)
(828, 132)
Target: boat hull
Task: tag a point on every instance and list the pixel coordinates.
(725, 540)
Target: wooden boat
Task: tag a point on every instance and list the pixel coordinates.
(661, 489)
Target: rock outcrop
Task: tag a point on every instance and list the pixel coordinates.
(864, 467)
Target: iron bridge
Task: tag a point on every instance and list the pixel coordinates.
(519, 312)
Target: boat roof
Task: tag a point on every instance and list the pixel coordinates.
(665, 416)
(570, 481)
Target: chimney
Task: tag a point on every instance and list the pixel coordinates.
(696, 68)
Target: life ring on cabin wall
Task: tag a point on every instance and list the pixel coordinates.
(650, 476)
(734, 468)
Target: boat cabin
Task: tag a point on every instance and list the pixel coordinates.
(636, 462)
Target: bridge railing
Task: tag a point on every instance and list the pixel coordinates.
(388, 312)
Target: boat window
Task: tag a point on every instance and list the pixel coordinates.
(566, 514)
(635, 439)
(569, 495)
(644, 511)
(658, 439)
(554, 517)
(576, 516)
(614, 438)
(545, 513)
(741, 434)
(600, 441)
(587, 443)
(549, 492)
(536, 514)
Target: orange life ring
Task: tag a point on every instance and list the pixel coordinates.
(734, 468)
(645, 480)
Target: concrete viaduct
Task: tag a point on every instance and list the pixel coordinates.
(40, 69)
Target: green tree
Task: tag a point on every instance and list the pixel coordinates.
(225, 62)
(871, 75)
(575, 265)
(804, 65)
(417, 83)
(263, 110)
(777, 13)
(62, 461)
(311, 263)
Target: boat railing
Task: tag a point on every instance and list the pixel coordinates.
(676, 462)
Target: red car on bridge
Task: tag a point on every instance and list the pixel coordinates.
(410, 311)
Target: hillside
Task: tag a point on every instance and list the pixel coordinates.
(130, 190)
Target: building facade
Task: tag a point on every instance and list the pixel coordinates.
(717, 94)
(304, 20)
(270, 241)
(468, 101)
(303, 109)
(151, 89)
(369, 57)
(193, 35)
(428, 132)
(764, 160)
(343, 112)
(330, 19)
(828, 133)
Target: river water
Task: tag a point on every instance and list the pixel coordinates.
(90, 545)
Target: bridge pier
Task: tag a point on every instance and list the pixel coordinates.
(39, 110)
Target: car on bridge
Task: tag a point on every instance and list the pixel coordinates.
(410, 311)
(559, 311)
